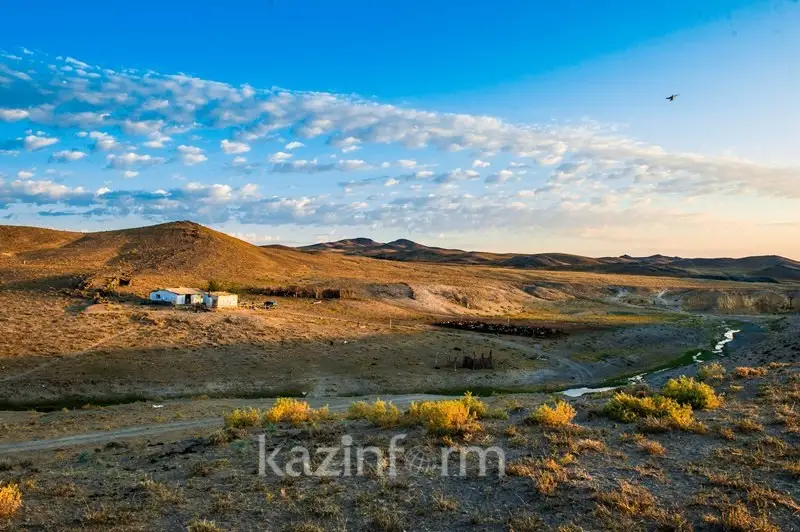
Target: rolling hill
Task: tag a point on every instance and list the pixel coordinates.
(768, 268)
(186, 252)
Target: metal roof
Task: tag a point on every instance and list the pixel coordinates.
(182, 291)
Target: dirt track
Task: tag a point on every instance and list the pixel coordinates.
(335, 404)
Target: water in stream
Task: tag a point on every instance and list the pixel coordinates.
(719, 348)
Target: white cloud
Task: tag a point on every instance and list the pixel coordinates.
(500, 177)
(156, 141)
(67, 155)
(231, 147)
(191, 155)
(591, 167)
(353, 164)
(314, 166)
(12, 115)
(279, 157)
(129, 174)
(456, 175)
(129, 159)
(103, 141)
(25, 174)
(142, 127)
(35, 142)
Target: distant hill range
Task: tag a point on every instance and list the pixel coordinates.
(767, 268)
(189, 253)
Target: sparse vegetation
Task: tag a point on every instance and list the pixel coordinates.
(244, 417)
(748, 425)
(453, 417)
(737, 518)
(10, 500)
(294, 411)
(560, 414)
(381, 413)
(713, 371)
(744, 372)
(202, 525)
(686, 391)
(654, 410)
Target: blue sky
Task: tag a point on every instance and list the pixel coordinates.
(510, 126)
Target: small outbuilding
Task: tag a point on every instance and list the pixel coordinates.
(220, 299)
(177, 296)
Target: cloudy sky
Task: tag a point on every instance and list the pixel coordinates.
(502, 126)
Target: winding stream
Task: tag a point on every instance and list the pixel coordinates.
(718, 350)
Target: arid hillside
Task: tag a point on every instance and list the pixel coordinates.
(768, 268)
(16, 239)
(185, 253)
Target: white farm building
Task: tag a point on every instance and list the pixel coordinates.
(220, 299)
(177, 296)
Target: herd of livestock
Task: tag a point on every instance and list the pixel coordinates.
(502, 328)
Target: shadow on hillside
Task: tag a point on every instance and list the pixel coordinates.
(355, 362)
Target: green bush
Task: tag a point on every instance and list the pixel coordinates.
(627, 408)
(686, 391)
(709, 372)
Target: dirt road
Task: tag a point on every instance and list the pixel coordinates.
(335, 404)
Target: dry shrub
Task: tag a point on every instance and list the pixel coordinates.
(654, 411)
(381, 413)
(160, 492)
(629, 499)
(792, 468)
(227, 435)
(99, 516)
(525, 522)
(651, 447)
(444, 503)
(474, 405)
(560, 414)
(711, 372)
(386, 520)
(524, 467)
(203, 525)
(10, 500)
(444, 417)
(546, 482)
(737, 518)
(244, 417)
(451, 417)
(294, 411)
(305, 526)
(744, 372)
(748, 425)
(546, 474)
(589, 445)
(686, 391)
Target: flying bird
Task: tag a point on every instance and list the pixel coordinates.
(672, 97)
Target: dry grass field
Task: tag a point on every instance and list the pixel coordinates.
(731, 466)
